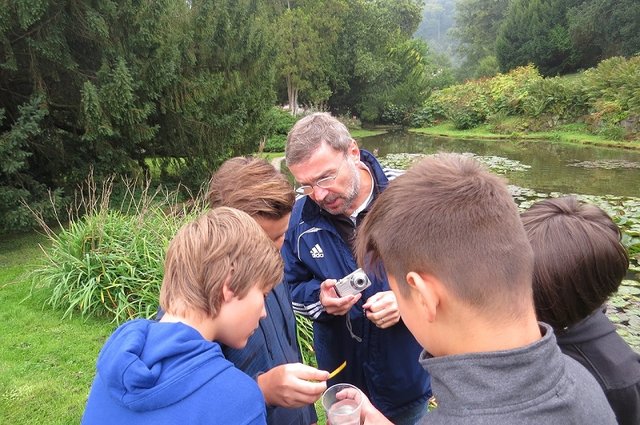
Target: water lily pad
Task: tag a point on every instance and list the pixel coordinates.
(606, 164)
(628, 290)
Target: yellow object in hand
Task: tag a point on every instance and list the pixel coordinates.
(338, 369)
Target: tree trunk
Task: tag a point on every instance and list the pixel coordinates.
(292, 94)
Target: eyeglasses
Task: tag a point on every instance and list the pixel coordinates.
(324, 183)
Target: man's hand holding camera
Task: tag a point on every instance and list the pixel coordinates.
(332, 302)
(338, 297)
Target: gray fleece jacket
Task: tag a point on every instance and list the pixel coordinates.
(536, 384)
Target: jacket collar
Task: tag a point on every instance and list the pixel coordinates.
(500, 376)
(594, 326)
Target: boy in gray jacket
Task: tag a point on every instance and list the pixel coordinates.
(460, 265)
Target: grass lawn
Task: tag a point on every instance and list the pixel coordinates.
(46, 363)
(569, 133)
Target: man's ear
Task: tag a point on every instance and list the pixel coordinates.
(354, 150)
(424, 288)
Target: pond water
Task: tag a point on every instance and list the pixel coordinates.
(555, 167)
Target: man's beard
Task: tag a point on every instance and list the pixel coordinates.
(348, 197)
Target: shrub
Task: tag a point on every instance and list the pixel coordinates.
(350, 121)
(507, 91)
(109, 263)
(275, 143)
(561, 97)
(281, 120)
(613, 92)
(464, 104)
(393, 114)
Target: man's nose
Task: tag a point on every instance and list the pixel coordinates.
(319, 193)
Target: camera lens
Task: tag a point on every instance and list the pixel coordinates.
(359, 282)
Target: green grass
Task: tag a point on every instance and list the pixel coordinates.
(569, 133)
(46, 364)
(270, 155)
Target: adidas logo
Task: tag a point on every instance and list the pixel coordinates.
(317, 252)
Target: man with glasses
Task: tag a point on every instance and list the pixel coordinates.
(338, 183)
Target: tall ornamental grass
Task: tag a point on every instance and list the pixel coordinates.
(108, 262)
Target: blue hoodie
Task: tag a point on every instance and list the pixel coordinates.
(166, 373)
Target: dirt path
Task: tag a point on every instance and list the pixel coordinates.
(277, 162)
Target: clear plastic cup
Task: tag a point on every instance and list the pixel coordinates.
(343, 408)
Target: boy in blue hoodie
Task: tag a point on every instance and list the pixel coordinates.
(218, 272)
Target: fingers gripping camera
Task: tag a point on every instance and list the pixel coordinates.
(352, 283)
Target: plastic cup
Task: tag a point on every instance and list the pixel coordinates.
(343, 409)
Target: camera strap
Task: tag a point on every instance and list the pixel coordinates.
(350, 328)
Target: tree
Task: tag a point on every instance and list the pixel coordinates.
(216, 109)
(366, 66)
(477, 23)
(600, 29)
(306, 34)
(535, 31)
(119, 83)
(437, 20)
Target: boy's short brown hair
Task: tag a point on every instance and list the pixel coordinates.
(251, 185)
(579, 260)
(450, 217)
(223, 246)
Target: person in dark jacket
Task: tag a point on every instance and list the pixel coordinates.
(339, 183)
(579, 263)
(271, 355)
(449, 236)
(218, 271)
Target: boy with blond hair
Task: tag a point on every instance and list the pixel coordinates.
(271, 356)
(218, 270)
(452, 245)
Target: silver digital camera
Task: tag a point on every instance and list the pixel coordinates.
(353, 283)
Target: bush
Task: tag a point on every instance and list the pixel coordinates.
(561, 97)
(281, 120)
(350, 121)
(393, 114)
(613, 92)
(275, 143)
(110, 263)
(507, 91)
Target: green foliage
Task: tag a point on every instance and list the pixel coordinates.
(109, 263)
(601, 29)
(117, 83)
(465, 105)
(20, 192)
(304, 332)
(277, 124)
(535, 31)
(606, 97)
(564, 99)
(476, 29)
(613, 92)
(275, 143)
